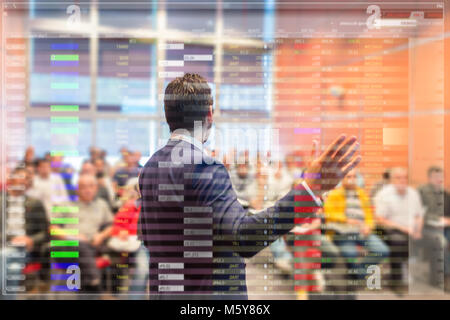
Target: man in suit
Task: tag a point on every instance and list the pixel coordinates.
(196, 231)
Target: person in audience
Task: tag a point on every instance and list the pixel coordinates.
(94, 229)
(26, 229)
(399, 213)
(124, 237)
(437, 226)
(241, 179)
(137, 155)
(104, 179)
(30, 171)
(309, 234)
(88, 168)
(29, 157)
(121, 163)
(348, 213)
(47, 186)
(106, 166)
(121, 176)
(94, 153)
(48, 157)
(213, 153)
(229, 159)
(270, 184)
(103, 154)
(385, 180)
(102, 192)
(65, 170)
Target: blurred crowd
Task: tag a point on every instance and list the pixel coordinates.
(52, 207)
(391, 226)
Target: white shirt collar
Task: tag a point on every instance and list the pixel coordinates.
(187, 138)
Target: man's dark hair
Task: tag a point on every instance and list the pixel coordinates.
(186, 100)
(433, 169)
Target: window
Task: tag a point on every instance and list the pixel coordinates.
(138, 135)
(126, 82)
(198, 17)
(61, 136)
(245, 84)
(60, 73)
(122, 15)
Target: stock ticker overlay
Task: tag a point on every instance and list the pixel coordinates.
(84, 91)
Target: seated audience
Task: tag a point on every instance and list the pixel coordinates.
(47, 186)
(29, 157)
(130, 170)
(309, 235)
(137, 155)
(399, 212)
(280, 179)
(258, 184)
(104, 180)
(26, 229)
(124, 238)
(437, 227)
(65, 170)
(121, 163)
(94, 153)
(102, 192)
(385, 180)
(94, 228)
(242, 178)
(260, 195)
(348, 212)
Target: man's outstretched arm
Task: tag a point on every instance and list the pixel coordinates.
(251, 233)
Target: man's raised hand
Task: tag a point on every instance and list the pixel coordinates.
(327, 170)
